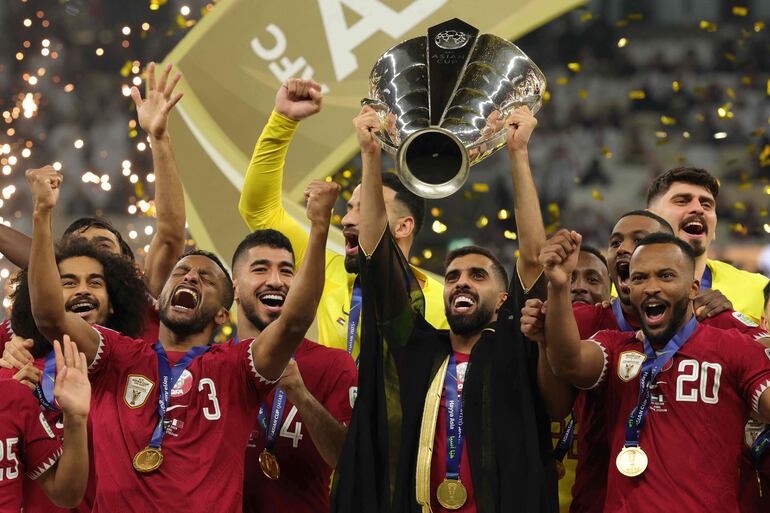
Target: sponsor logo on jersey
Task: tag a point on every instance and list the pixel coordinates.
(629, 364)
(46, 426)
(352, 394)
(183, 384)
(744, 319)
(138, 389)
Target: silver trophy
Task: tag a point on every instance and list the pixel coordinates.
(443, 100)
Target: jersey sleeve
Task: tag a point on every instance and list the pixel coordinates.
(42, 445)
(586, 318)
(343, 389)
(739, 321)
(608, 343)
(752, 363)
(112, 345)
(250, 377)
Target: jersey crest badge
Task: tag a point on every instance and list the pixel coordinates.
(745, 319)
(138, 389)
(629, 364)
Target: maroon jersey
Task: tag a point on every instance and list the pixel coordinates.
(438, 459)
(331, 376)
(693, 434)
(590, 475)
(6, 333)
(29, 445)
(209, 418)
(151, 324)
(754, 488)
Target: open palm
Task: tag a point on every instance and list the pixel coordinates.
(153, 109)
(72, 389)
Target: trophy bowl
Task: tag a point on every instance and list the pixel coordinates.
(443, 100)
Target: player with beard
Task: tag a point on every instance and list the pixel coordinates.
(444, 420)
(172, 417)
(687, 199)
(261, 206)
(676, 381)
(591, 279)
(303, 422)
(589, 474)
(56, 458)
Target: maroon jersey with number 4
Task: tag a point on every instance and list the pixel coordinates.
(590, 476)
(693, 435)
(303, 487)
(209, 418)
(29, 445)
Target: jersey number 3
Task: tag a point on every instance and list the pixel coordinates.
(210, 412)
(693, 371)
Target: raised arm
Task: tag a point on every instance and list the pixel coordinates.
(577, 362)
(275, 345)
(374, 218)
(526, 206)
(168, 242)
(261, 199)
(65, 484)
(45, 289)
(15, 246)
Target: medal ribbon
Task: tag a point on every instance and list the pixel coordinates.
(276, 414)
(168, 378)
(355, 316)
(44, 389)
(565, 440)
(454, 420)
(760, 446)
(650, 370)
(620, 317)
(705, 281)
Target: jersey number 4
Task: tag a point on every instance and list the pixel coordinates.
(705, 377)
(8, 454)
(296, 435)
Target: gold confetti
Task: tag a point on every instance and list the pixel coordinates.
(707, 25)
(597, 195)
(554, 210)
(336, 219)
(686, 134)
(435, 212)
(768, 87)
(547, 97)
(414, 261)
(621, 23)
(622, 42)
(739, 205)
(508, 234)
(739, 228)
(586, 16)
(635, 16)
(700, 117)
(427, 254)
(562, 80)
(574, 66)
(759, 26)
(766, 227)
(724, 112)
(740, 11)
(660, 134)
(675, 86)
(126, 69)
(668, 120)
(482, 222)
(438, 226)
(744, 185)
(730, 92)
(480, 187)
(583, 93)
(730, 57)
(636, 94)
(503, 215)
(328, 179)
(606, 152)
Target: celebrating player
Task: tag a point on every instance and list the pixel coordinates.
(302, 423)
(591, 279)
(158, 403)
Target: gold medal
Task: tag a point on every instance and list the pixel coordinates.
(451, 494)
(148, 460)
(560, 470)
(631, 461)
(269, 464)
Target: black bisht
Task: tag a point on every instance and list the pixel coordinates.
(506, 427)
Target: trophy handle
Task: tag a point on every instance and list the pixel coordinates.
(382, 134)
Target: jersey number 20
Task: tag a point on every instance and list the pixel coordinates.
(691, 371)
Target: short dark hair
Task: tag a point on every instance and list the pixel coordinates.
(691, 175)
(268, 237)
(229, 293)
(767, 295)
(83, 223)
(500, 272)
(667, 238)
(413, 203)
(652, 215)
(595, 252)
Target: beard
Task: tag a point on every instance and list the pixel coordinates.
(698, 247)
(187, 327)
(470, 324)
(250, 312)
(351, 264)
(678, 314)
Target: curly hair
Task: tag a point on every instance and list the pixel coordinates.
(22, 322)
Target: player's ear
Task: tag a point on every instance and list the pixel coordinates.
(235, 291)
(694, 289)
(500, 300)
(221, 317)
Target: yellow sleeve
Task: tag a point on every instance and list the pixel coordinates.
(261, 203)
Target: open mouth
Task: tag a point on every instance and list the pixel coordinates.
(185, 298)
(622, 272)
(580, 298)
(351, 242)
(83, 307)
(463, 302)
(694, 227)
(654, 311)
(272, 299)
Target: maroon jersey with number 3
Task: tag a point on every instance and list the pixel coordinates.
(303, 487)
(209, 418)
(29, 445)
(693, 435)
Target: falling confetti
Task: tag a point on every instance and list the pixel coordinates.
(668, 120)
(637, 94)
(595, 194)
(740, 11)
(574, 66)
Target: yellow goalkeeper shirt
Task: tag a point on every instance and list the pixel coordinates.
(261, 206)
